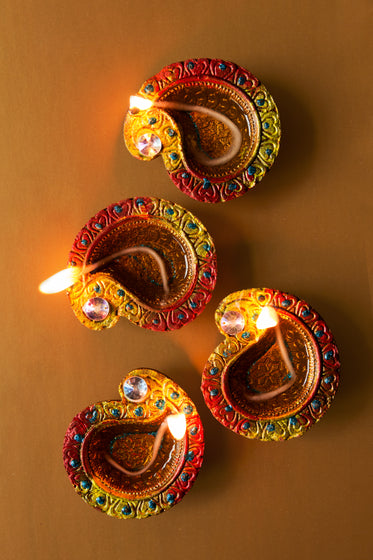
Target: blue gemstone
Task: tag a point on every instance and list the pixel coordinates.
(115, 412)
(149, 88)
(270, 428)
(188, 409)
(306, 312)
(184, 477)
(99, 226)
(194, 430)
(241, 80)
(260, 102)
(139, 201)
(214, 371)
(126, 510)
(152, 120)
(155, 321)
(214, 392)
(74, 463)
(120, 293)
(228, 408)
(251, 170)
(181, 316)
(286, 303)
(97, 289)
(246, 335)
(268, 151)
(206, 183)
(129, 306)
(170, 498)
(152, 504)
(315, 403)
(86, 484)
(192, 225)
(118, 209)
(185, 175)
(170, 211)
(100, 500)
(160, 404)
(246, 425)
(329, 355)
(84, 242)
(266, 125)
(222, 66)
(171, 132)
(174, 395)
(207, 274)
(190, 456)
(79, 438)
(232, 186)
(293, 421)
(328, 379)
(174, 156)
(139, 411)
(319, 333)
(191, 65)
(193, 305)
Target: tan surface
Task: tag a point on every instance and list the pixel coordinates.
(67, 70)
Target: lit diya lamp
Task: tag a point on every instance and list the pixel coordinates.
(276, 372)
(140, 455)
(145, 259)
(215, 125)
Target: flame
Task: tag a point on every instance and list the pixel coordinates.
(268, 317)
(61, 280)
(177, 425)
(137, 102)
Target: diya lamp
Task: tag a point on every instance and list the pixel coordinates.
(145, 259)
(215, 125)
(277, 371)
(138, 456)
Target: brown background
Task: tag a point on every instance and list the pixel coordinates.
(67, 70)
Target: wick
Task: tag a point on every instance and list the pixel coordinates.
(157, 443)
(177, 106)
(176, 423)
(286, 358)
(86, 269)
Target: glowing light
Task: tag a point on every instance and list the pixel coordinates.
(137, 102)
(61, 280)
(177, 425)
(267, 318)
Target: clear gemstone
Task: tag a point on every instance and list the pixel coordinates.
(96, 309)
(232, 322)
(149, 144)
(135, 388)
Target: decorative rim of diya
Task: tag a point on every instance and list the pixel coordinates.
(226, 382)
(97, 433)
(227, 89)
(170, 231)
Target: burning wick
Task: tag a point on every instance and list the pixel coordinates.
(67, 277)
(138, 103)
(176, 423)
(269, 318)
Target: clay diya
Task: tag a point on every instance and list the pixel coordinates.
(215, 125)
(137, 456)
(272, 377)
(145, 259)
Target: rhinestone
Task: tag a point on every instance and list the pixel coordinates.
(232, 322)
(135, 389)
(96, 309)
(149, 144)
